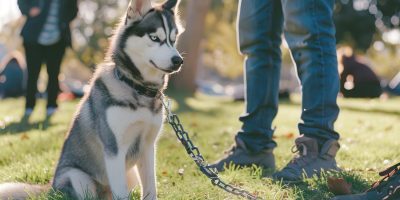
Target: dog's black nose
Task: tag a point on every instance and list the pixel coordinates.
(177, 61)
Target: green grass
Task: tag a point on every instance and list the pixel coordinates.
(370, 140)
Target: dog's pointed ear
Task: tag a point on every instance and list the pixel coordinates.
(137, 9)
(170, 4)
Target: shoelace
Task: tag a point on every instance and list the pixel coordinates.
(300, 148)
(302, 158)
(387, 174)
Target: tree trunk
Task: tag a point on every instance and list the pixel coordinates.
(189, 44)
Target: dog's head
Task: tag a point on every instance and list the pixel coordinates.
(148, 37)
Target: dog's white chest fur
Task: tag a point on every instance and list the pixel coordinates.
(128, 124)
(135, 132)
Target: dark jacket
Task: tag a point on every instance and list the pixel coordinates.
(360, 71)
(365, 82)
(33, 26)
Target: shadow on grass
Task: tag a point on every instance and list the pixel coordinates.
(24, 125)
(317, 188)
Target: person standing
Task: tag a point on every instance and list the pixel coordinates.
(46, 35)
(310, 33)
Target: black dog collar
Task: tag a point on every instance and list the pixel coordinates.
(140, 89)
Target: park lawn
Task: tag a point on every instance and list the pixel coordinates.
(370, 142)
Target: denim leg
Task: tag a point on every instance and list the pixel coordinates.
(310, 34)
(260, 28)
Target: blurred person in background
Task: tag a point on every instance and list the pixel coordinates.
(12, 75)
(46, 35)
(310, 33)
(357, 80)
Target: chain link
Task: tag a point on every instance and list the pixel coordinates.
(195, 154)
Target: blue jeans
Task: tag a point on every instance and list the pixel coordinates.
(310, 33)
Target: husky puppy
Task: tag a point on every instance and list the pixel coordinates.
(114, 131)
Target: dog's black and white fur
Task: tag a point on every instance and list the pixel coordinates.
(113, 134)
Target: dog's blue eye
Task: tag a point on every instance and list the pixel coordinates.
(154, 38)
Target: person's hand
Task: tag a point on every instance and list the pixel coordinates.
(35, 11)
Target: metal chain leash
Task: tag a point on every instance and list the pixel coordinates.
(195, 154)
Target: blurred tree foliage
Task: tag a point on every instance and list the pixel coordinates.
(221, 51)
(365, 23)
(96, 21)
(359, 21)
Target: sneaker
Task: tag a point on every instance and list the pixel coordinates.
(51, 110)
(241, 157)
(28, 112)
(310, 160)
(388, 188)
